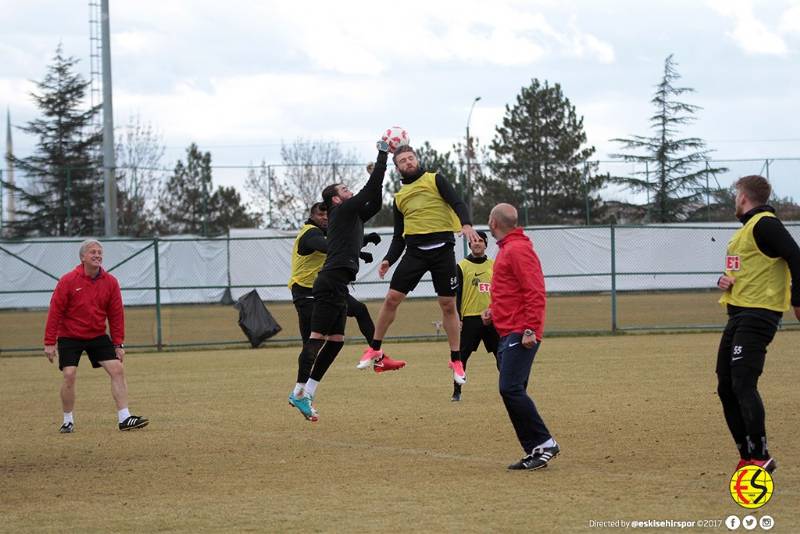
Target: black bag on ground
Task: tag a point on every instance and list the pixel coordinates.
(255, 320)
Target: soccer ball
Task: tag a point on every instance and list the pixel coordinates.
(396, 136)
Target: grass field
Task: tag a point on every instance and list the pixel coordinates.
(209, 324)
(637, 417)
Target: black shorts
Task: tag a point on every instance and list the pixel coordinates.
(473, 331)
(745, 338)
(99, 349)
(303, 302)
(330, 302)
(441, 262)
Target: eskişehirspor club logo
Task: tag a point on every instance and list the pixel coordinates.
(751, 487)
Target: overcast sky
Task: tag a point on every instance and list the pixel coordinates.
(239, 77)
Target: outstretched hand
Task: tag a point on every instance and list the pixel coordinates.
(469, 232)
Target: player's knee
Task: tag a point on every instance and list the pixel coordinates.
(393, 299)
(448, 305)
(509, 389)
(70, 374)
(115, 369)
(743, 386)
(724, 389)
(358, 309)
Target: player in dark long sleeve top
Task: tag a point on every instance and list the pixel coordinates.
(761, 282)
(347, 213)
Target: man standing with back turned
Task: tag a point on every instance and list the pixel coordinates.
(517, 310)
(762, 259)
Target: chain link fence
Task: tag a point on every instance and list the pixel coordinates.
(179, 292)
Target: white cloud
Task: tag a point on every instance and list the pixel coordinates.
(790, 20)
(343, 38)
(264, 106)
(135, 43)
(750, 33)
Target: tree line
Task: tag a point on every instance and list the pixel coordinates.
(539, 157)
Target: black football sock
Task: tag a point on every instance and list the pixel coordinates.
(325, 358)
(306, 359)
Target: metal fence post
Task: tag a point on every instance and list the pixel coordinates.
(708, 197)
(69, 202)
(613, 280)
(586, 191)
(269, 195)
(228, 259)
(159, 341)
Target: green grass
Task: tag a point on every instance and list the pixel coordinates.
(637, 417)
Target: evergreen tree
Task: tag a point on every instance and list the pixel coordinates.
(227, 211)
(540, 159)
(63, 193)
(188, 205)
(676, 174)
(184, 203)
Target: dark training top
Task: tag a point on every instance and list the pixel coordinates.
(775, 241)
(312, 241)
(346, 222)
(450, 196)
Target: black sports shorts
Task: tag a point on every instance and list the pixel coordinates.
(304, 304)
(473, 331)
(330, 302)
(99, 349)
(440, 261)
(745, 338)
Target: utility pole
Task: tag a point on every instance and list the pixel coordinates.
(109, 178)
(468, 192)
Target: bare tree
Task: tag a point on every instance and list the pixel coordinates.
(139, 175)
(286, 192)
(260, 184)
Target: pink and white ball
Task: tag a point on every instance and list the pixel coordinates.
(396, 137)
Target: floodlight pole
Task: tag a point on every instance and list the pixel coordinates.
(109, 179)
(468, 192)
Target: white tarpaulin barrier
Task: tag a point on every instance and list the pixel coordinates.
(197, 270)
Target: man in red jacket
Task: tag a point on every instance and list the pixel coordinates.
(81, 303)
(517, 311)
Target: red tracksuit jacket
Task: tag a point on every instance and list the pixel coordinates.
(518, 294)
(80, 306)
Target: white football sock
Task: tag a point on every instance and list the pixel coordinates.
(123, 414)
(68, 418)
(298, 389)
(311, 387)
(549, 443)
